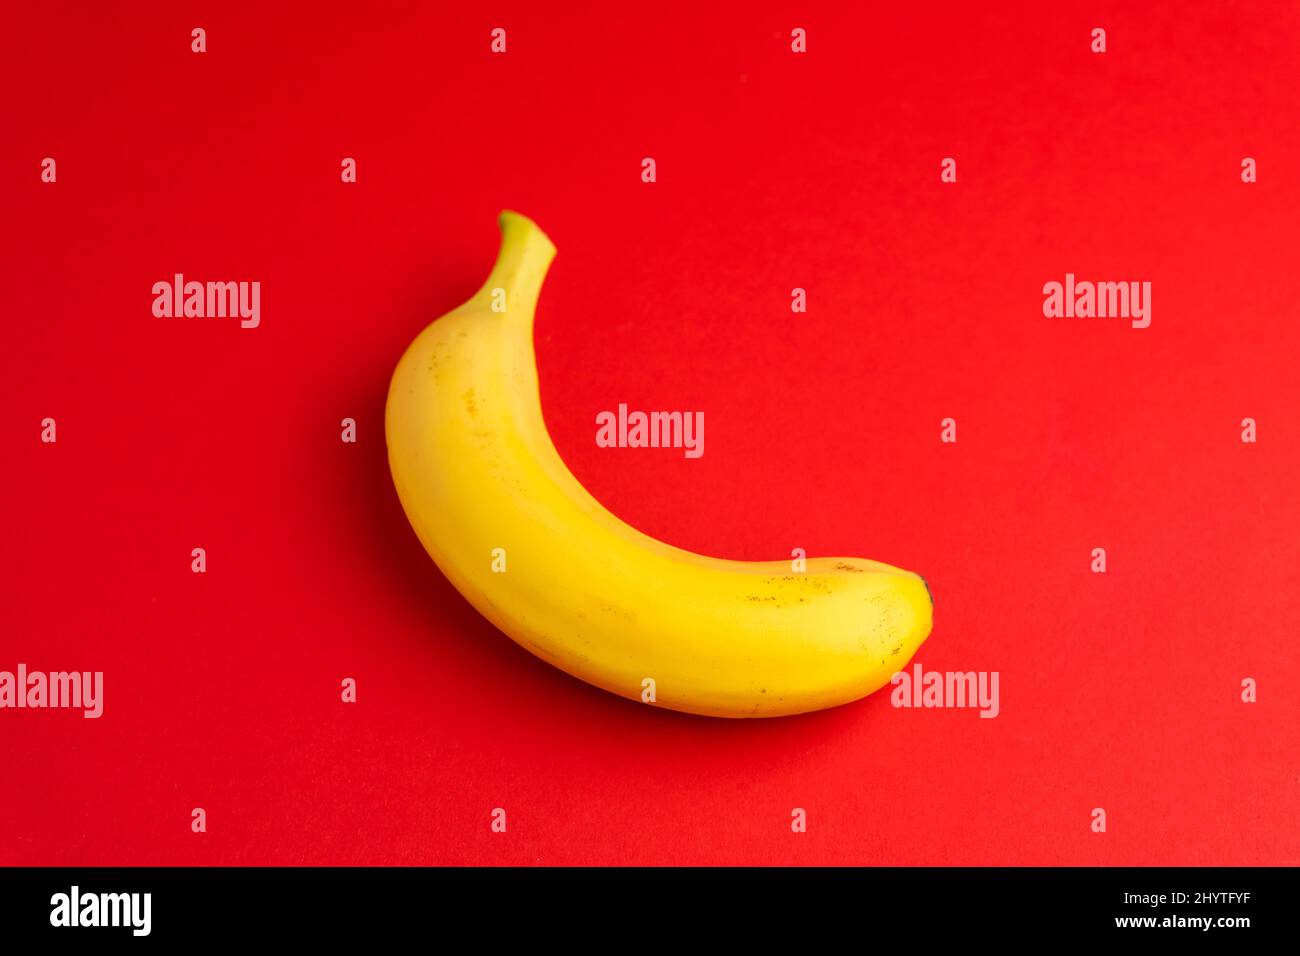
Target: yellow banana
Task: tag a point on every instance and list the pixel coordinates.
(523, 541)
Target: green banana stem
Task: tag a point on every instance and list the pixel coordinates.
(524, 256)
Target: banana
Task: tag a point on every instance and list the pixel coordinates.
(497, 510)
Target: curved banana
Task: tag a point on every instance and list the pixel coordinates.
(476, 471)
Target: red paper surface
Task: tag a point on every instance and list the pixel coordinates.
(1119, 691)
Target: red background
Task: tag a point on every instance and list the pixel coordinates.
(1119, 691)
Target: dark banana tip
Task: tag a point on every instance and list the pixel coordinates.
(928, 592)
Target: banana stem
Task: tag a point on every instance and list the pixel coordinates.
(523, 258)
